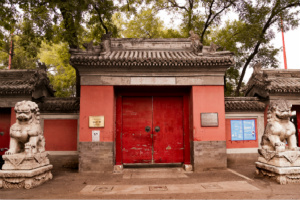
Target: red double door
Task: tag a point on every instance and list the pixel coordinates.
(152, 130)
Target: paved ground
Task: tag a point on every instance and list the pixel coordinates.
(237, 182)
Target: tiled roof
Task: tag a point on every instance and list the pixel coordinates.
(148, 58)
(235, 104)
(266, 82)
(25, 82)
(62, 105)
(150, 52)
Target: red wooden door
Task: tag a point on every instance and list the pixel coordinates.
(152, 130)
(4, 129)
(136, 141)
(168, 141)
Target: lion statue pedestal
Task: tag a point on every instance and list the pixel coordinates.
(26, 162)
(279, 157)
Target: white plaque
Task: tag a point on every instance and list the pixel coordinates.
(209, 119)
(96, 121)
(96, 135)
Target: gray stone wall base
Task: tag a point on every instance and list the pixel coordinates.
(96, 157)
(209, 154)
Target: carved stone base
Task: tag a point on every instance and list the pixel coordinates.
(23, 161)
(25, 178)
(118, 169)
(283, 175)
(280, 159)
(188, 167)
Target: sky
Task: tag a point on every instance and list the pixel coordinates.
(292, 43)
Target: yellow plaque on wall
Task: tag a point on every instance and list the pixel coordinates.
(96, 121)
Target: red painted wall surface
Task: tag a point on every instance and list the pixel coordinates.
(13, 117)
(97, 101)
(297, 109)
(60, 134)
(239, 144)
(208, 99)
(5, 118)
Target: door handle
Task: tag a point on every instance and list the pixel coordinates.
(147, 129)
(157, 129)
(3, 149)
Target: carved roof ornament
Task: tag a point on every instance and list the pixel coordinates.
(213, 47)
(89, 46)
(106, 43)
(197, 45)
(257, 68)
(31, 82)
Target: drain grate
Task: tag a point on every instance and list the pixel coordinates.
(103, 188)
(158, 188)
(211, 186)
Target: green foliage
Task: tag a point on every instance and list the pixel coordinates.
(61, 74)
(232, 77)
(144, 25)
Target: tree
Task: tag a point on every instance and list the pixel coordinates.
(61, 74)
(198, 15)
(259, 17)
(236, 37)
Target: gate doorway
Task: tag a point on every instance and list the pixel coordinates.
(152, 129)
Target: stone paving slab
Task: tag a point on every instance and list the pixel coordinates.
(168, 189)
(154, 175)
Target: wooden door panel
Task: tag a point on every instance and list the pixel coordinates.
(136, 142)
(4, 129)
(168, 142)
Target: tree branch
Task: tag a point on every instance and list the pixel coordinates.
(269, 22)
(100, 18)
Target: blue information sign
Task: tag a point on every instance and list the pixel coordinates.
(249, 129)
(243, 130)
(237, 130)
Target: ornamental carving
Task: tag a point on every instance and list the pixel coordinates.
(196, 44)
(26, 162)
(279, 129)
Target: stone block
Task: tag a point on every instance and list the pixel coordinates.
(209, 154)
(96, 157)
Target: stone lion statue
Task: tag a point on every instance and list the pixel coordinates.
(279, 129)
(26, 134)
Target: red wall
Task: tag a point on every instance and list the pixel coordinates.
(239, 144)
(13, 116)
(5, 118)
(97, 101)
(208, 99)
(60, 134)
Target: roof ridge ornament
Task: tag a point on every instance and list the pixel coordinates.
(196, 44)
(257, 68)
(106, 43)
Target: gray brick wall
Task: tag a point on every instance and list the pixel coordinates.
(96, 156)
(209, 154)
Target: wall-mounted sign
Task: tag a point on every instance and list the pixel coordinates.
(95, 135)
(96, 121)
(209, 119)
(243, 130)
